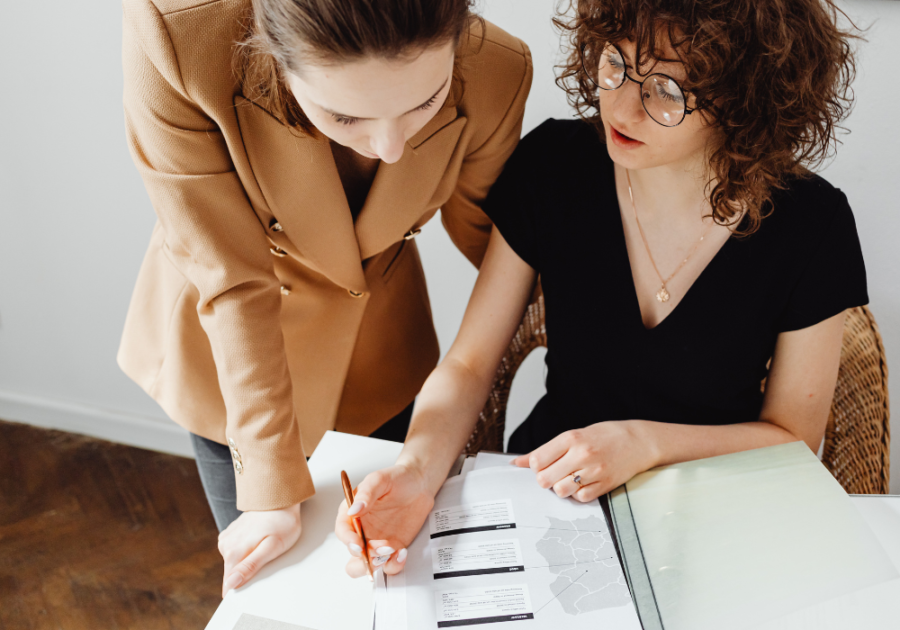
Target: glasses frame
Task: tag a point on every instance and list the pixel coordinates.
(626, 77)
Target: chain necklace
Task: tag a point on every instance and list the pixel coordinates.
(663, 294)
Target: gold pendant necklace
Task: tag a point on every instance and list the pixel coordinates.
(663, 294)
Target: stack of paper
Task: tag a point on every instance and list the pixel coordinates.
(498, 549)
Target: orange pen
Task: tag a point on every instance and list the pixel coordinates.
(357, 524)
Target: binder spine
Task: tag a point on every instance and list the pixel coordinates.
(632, 558)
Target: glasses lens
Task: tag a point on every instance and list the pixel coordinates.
(611, 71)
(663, 100)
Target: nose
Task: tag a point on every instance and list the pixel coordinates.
(389, 142)
(628, 103)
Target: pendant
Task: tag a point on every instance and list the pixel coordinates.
(662, 295)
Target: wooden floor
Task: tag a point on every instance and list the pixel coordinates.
(100, 536)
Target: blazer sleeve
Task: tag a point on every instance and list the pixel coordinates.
(470, 228)
(214, 238)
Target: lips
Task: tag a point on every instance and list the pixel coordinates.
(622, 140)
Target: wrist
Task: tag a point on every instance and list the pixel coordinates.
(427, 472)
(647, 434)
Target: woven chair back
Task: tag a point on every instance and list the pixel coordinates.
(857, 438)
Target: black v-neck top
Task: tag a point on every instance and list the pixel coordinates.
(556, 206)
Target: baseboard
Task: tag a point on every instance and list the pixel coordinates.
(122, 427)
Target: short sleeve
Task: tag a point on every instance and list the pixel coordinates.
(514, 201)
(833, 277)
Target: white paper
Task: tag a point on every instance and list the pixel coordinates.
(308, 586)
(499, 530)
(492, 460)
(467, 466)
(481, 516)
(475, 558)
(483, 605)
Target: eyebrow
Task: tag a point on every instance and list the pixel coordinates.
(433, 96)
(657, 60)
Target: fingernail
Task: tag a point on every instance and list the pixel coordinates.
(355, 508)
(384, 551)
(355, 549)
(401, 557)
(233, 581)
(377, 561)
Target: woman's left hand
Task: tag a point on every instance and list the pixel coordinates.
(604, 456)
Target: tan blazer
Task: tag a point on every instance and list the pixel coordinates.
(263, 316)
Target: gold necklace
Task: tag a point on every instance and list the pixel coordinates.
(663, 294)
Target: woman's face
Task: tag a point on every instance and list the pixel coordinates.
(374, 106)
(636, 141)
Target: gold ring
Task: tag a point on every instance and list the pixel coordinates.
(577, 479)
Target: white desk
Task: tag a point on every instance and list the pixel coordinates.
(308, 587)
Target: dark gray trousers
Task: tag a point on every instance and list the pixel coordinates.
(217, 475)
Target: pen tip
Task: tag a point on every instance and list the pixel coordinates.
(371, 579)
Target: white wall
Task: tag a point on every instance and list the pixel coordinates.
(75, 220)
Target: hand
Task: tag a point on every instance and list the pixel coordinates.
(392, 503)
(253, 540)
(605, 455)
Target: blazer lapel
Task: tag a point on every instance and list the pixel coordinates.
(299, 180)
(401, 192)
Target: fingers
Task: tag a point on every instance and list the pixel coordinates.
(345, 530)
(591, 492)
(397, 562)
(356, 568)
(379, 552)
(235, 545)
(522, 461)
(270, 548)
(559, 470)
(392, 562)
(372, 488)
(567, 486)
(542, 457)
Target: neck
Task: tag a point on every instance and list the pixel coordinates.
(672, 192)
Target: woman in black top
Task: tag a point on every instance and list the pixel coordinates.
(681, 243)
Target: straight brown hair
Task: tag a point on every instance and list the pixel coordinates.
(282, 35)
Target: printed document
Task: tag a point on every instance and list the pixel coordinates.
(498, 549)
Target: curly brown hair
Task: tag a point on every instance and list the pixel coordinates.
(772, 75)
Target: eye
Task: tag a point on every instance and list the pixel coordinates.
(615, 61)
(344, 120)
(669, 91)
(426, 105)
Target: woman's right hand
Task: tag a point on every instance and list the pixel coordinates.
(392, 503)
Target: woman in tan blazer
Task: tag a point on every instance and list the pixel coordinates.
(292, 151)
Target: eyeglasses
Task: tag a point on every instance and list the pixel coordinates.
(662, 97)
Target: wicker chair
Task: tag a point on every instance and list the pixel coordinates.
(857, 438)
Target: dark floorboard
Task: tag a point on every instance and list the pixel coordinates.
(95, 535)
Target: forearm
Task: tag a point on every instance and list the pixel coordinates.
(445, 415)
(674, 443)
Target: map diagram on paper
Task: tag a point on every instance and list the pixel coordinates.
(583, 558)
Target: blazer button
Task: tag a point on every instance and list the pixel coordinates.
(285, 291)
(356, 294)
(413, 233)
(277, 251)
(235, 457)
(275, 226)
